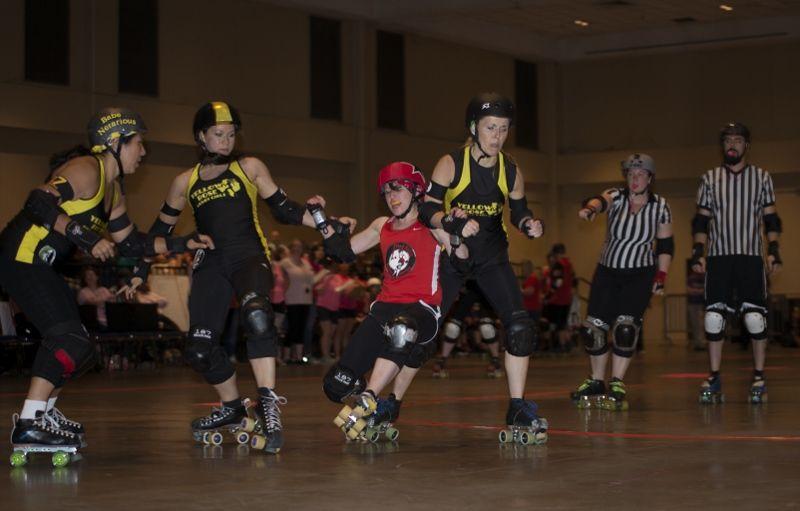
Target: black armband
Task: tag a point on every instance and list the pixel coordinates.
(81, 236)
(137, 244)
(63, 188)
(603, 203)
(700, 223)
(436, 191)
(665, 246)
(169, 210)
(426, 210)
(161, 228)
(773, 223)
(141, 269)
(519, 212)
(337, 246)
(285, 210)
(773, 249)
(41, 208)
(119, 223)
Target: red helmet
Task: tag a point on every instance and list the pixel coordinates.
(406, 174)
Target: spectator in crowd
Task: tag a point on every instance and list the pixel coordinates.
(92, 293)
(300, 279)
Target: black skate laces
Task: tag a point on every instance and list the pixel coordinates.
(272, 414)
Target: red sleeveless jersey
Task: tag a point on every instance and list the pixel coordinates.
(410, 265)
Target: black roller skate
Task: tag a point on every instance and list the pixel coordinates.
(615, 400)
(494, 369)
(439, 370)
(352, 421)
(758, 391)
(267, 429)
(209, 429)
(589, 393)
(524, 424)
(711, 390)
(41, 434)
(380, 423)
(68, 424)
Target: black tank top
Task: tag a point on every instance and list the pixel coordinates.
(26, 242)
(225, 208)
(482, 192)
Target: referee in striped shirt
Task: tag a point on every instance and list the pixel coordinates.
(633, 265)
(732, 202)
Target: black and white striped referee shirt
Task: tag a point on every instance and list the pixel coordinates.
(630, 237)
(736, 202)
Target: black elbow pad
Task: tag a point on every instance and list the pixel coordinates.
(773, 223)
(426, 210)
(700, 223)
(665, 246)
(285, 210)
(519, 211)
(41, 208)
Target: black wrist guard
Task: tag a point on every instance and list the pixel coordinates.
(453, 225)
(81, 236)
(177, 244)
(319, 217)
(141, 269)
(773, 249)
(698, 251)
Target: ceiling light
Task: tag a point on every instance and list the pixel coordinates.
(726, 8)
(581, 23)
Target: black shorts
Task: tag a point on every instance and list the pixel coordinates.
(556, 315)
(346, 313)
(736, 279)
(324, 314)
(617, 293)
(368, 342)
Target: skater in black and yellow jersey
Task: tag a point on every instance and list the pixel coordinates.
(223, 190)
(82, 201)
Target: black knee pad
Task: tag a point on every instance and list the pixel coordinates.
(487, 330)
(594, 333)
(206, 356)
(340, 382)
(258, 321)
(522, 335)
(419, 354)
(66, 352)
(625, 332)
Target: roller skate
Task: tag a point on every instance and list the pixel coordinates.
(41, 434)
(711, 390)
(589, 394)
(266, 428)
(615, 399)
(380, 423)
(352, 420)
(494, 369)
(439, 370)
(758, 391)
(524, 425)
(210, 428)
(70, 425)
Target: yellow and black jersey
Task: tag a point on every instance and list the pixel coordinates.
(225, 209)
(482, 192)
(26, 242)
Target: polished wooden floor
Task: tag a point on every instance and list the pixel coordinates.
(666, 452)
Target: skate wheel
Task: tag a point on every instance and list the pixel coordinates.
(504, 436)
(525, 438)
(60, 459)
(352, 433)
(372, 435)
(540, 437)
(344, 413)
(623, 406)
(392, 434)
(248, 424)
(243, 438)
(216, 438)
(338, 421)
(18, 459)
(197, 436)
(258, 442)
(206, 438)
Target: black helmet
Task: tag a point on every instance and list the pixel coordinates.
(112, 123)
(734, 128)
(486, 104)
(211, 114)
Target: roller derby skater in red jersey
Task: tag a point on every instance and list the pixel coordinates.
(222, 190)
(402, 323)
(479, 179)
(82, 202)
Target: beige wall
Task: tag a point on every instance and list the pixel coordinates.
(592, 114)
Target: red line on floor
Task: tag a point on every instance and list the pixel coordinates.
(596, 434)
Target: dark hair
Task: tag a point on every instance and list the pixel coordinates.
(60, 158)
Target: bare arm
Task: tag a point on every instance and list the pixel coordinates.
(369, 237)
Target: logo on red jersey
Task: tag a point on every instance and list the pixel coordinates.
(400, 259)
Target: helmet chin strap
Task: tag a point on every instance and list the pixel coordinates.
(121, 176)
(210, 158)
(484, 154)
(408, 209)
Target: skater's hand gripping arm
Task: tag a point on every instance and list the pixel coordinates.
(664, 250)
